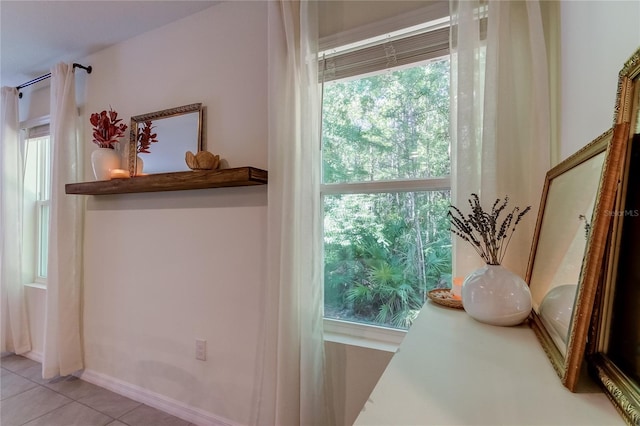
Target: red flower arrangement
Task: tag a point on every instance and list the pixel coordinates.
(146, 138)
(107, 128)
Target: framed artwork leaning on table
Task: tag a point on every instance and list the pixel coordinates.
(614, 349)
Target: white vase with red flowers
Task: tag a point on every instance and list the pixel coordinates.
(107, 130)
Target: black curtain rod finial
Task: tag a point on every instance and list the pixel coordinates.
(88, 69)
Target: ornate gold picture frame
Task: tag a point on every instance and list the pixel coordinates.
(177, 130)
(614, 350)
(569, 244)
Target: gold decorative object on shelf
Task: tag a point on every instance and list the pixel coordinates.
(203, 160)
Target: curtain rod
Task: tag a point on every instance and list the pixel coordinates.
(44, 77)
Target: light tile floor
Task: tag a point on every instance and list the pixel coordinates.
(27, 399)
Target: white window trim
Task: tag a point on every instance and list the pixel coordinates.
(45, 120)
(39, 204)
(363, 335)
(369, 335)
(35, 122)
(402, 185)
(350, 332)
(36, 285)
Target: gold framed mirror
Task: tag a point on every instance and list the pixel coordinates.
(176, 130)
(614, 351)
(569, 241)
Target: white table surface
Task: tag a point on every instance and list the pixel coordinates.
(453, 370)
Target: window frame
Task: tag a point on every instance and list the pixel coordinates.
(352, 332)
(40, 206)
(31, 130)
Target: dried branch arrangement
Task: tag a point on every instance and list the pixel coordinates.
(487, 233)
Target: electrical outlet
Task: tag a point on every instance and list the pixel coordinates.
(201, 349)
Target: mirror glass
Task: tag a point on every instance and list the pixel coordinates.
(177, 131)
(561, 245)
(566, 256)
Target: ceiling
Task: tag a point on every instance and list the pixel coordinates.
(35, 35)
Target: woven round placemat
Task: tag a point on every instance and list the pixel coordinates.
(443, 296)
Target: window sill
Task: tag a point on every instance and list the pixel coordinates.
(36, 285)
(363, 335)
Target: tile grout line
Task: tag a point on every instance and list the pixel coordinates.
(95, 409)
(71, 400)
(40, 385)
(19, 393)
(17, 373)
(44, 414)
(140, 404)
(111, 419)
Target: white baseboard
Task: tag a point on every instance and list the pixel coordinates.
(34, 356)
(155, 400)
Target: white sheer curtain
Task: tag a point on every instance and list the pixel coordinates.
(293, 368)
(13, 312)
(62, 342)
(500, 112)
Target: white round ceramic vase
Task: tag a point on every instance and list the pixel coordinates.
(494, 295)
(103, 160)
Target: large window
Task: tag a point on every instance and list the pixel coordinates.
(37, 193)
(386, 192)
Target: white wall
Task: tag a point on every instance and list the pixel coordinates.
(354, 372)
(597, 37)
(164, 269)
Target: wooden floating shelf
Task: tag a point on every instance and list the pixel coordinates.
(178, 181)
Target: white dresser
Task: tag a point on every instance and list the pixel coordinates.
(453, 370)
